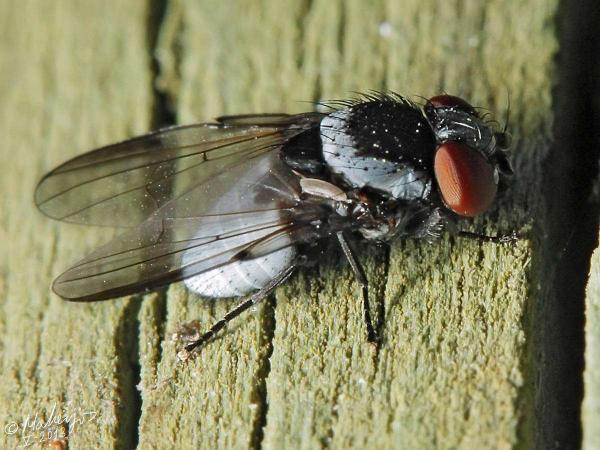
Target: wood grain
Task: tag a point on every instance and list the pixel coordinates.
(74, 75)
(591, 404)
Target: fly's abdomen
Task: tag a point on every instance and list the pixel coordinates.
(239, 277)
(251, 213)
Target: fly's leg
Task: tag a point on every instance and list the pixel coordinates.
(197, 340)
(362, 279)
(501, 239)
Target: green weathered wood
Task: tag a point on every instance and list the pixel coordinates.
(73, 75)
(591, 404)
(454, 369)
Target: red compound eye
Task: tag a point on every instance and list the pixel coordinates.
(449, 101)
(466, 180)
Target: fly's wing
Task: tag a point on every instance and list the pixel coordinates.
(251, 209)
(269, 120)
(125, 183)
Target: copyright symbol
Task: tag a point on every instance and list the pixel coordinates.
(11, 428)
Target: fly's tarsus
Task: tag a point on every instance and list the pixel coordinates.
(498, 239)
(359, 274)
(189, 332)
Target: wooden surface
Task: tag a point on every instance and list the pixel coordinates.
(591, 404)
(457, 366)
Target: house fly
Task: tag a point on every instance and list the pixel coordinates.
(234, 207)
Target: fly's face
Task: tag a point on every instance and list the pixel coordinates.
(470, 156)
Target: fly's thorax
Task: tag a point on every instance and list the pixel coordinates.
(408, 221)
(387, 146)
(379, 218)
(302, 153)
(426, 222)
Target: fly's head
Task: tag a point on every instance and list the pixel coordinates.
(471, 157)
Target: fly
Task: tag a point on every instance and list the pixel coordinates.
(234, 207)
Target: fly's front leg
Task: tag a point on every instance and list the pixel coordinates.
(500, 239)
(194, 340)
(372, 335)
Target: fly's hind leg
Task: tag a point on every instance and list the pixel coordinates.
(372, 335)
(194, 340)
